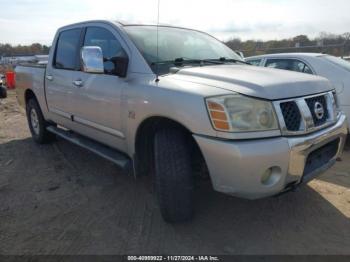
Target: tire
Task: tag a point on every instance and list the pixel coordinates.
(174, 180)
(3, 92)
(37, 123)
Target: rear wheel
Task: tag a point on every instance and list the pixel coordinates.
(173, 175)
(37, 123)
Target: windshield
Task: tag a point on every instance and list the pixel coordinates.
(177, 43)
(338, 61)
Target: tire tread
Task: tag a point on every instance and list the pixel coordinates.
(174, 179)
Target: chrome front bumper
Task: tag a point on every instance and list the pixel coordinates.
(237, 167)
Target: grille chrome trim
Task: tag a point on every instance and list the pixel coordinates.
(307, 122)
(319, 109)
(306, 115)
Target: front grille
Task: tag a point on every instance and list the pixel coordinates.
(312, 102)
(320, 157)
(304, 115)
(291, 115)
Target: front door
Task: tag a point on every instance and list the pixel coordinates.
(97, 97)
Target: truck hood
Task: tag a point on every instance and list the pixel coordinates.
(272, 84)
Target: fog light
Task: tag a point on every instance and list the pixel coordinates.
(266, 176)
(271, 176)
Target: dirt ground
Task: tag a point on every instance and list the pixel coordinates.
(61, 199)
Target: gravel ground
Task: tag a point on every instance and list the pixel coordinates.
(61, 199)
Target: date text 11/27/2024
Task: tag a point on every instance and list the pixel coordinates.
(173, 258)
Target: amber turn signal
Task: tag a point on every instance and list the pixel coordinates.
(218, 116)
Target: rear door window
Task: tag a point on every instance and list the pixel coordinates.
(289, 64)
(67, 49)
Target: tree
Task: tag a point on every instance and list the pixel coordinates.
(301, 39)
(234, 43)
(338, 45)
(33, 49)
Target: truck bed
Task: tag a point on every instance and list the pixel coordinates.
(30, 76)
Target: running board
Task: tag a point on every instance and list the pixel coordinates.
(104, 151)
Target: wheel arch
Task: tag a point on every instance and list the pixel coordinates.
(144, 139)
(29, 94)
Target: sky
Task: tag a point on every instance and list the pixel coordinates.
(28, 21)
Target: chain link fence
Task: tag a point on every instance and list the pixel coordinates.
(340, 50)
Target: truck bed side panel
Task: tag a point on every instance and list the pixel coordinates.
(31, 77)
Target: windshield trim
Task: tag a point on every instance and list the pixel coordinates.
(176, 27)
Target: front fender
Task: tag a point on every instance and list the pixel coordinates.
(147, 100)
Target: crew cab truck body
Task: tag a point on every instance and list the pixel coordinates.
(180, 103)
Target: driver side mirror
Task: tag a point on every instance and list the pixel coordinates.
(92, 59)
(93, 62)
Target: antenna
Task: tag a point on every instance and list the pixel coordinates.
(157, 71)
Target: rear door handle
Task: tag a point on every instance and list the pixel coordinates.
(78, 83)
(49, 77)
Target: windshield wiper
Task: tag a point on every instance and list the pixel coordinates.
(230, 60)
(185, 61)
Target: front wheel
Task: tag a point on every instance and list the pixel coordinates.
(173, 175)
(37, 123)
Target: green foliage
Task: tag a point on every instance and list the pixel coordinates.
(33, 49)
(338, 45)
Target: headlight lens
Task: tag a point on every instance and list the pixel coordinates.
(238, 113)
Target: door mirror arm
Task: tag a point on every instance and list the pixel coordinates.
(120, 65)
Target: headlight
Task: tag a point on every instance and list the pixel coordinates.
(238, 113)
(336, 103)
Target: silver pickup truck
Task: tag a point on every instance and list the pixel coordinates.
(180, 105)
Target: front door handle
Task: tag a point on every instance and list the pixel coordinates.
(78, 83)
(49, 77)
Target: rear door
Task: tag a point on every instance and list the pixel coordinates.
(59, 73)
(97, 97)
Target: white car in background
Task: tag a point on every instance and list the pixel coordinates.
(335, 69)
